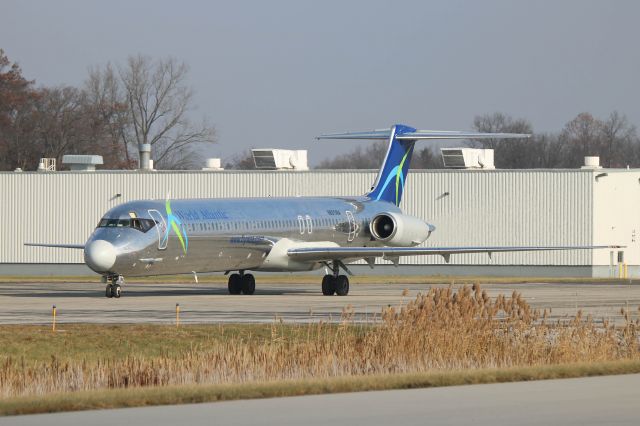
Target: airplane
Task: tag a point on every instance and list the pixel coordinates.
(292, 234)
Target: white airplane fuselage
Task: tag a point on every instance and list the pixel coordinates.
(209, 235)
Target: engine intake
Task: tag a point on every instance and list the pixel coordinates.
(395, 229)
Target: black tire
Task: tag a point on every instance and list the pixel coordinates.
(235, 284)
(116, 291)
(328, 285)
(248, 284)
(108, 291)
(342, 285)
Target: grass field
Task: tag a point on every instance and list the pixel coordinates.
(440, 332)
(93, 342)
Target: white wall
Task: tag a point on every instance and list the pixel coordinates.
(501, 207)
(616, 209)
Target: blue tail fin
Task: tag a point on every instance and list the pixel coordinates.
(392, 177)
(393, 174)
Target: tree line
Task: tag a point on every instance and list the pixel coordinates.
(144, 101)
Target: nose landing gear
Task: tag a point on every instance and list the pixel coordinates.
(242, 283)
(114, 286)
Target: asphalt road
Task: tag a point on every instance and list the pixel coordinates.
(209, 303)
(589, 401)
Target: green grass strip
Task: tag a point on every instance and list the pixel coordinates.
(138, 397)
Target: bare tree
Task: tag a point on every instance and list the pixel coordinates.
(583, 137)
(512, 153)
(106, 108)
(60, 121)
(546, 151)
(369, 157)
(427, 158)
(499, 123)
(159, 102)
(241, 161)
(17, 102)
(618, 136)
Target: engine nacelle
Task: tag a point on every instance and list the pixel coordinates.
(399, 230)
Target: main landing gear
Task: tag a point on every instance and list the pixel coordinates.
(242, 283)
(335, 283)
(114, 286)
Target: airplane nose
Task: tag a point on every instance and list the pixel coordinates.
(100, 255)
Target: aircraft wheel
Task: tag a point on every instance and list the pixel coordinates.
(109, 290)
(235, 284)
(328, 285)
(342, 285)
(116, 291)
(248, 284)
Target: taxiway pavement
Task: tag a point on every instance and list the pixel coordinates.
(31, 303)
(588, 401)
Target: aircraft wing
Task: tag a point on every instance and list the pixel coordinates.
(318, 254)
(71, 246)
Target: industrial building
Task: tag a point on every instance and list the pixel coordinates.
(588, 206)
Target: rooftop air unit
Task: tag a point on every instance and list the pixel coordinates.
(280, 159)
(82, 163)
(467, 158)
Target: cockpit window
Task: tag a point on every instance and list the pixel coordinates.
(137, 223)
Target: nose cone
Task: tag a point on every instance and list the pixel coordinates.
(100, 255)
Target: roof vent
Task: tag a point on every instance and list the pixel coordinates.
(213, 165)
(591, 163)
(467, 158)
(280, 159)
(82, 163)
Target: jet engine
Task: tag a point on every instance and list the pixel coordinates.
(399, 230)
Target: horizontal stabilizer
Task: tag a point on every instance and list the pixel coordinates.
(423, 134)
(318, 254)
(71, 246)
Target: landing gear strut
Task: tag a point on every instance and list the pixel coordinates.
(114, 288)
(335, 283)
(242, 283)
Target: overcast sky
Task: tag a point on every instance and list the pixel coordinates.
(277, 73)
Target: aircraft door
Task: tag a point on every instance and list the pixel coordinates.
(352, 226)
(161, 227)
(309, 224)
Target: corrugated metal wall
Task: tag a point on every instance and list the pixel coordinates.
(501, 207)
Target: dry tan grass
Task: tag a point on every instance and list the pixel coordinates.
(442, 330)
